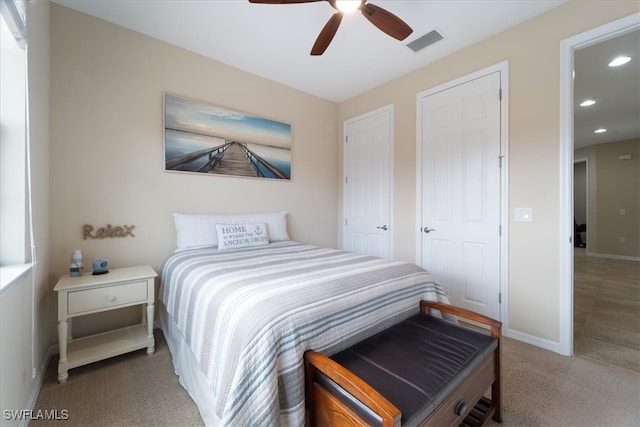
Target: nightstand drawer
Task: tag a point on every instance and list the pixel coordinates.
(106, 297)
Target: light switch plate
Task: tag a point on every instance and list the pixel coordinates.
(524, 214)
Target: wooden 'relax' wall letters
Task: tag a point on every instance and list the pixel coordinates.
(107, 232)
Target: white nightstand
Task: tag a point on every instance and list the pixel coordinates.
(86, 294)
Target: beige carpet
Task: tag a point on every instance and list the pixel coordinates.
(129, 390)
(540, 388)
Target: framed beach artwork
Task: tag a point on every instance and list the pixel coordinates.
(207, 139)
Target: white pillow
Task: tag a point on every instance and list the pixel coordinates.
(236, 236)
(199, 231)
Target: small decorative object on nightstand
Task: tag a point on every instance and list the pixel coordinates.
(87, 294)
(100, 266)
(77, 264)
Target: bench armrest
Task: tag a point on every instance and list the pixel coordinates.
(352, 384)
(495, 328)
(494, 325)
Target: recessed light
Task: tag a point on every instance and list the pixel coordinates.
(620, 60)
(601, 130)
(587, 102)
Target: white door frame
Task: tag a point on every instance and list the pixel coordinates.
(567, 47)
(387, 108)
(503, 68)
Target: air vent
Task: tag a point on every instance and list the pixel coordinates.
(424, 41)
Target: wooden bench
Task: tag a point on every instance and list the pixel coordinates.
(424, 371)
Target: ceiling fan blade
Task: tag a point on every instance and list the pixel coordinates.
(283, 1)
(386, 21)
(326, 35)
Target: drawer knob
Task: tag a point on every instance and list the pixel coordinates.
(110, 298)
(461, 408)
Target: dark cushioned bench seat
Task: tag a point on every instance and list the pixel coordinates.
(431, 370)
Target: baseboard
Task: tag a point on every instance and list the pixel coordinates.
(37, 383)
(610, 256)
(533, 340)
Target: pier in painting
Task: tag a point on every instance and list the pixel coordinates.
(230, 158)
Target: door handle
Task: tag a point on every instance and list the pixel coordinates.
(384, 227)
(428, 230)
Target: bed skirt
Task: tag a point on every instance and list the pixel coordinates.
(187, 369)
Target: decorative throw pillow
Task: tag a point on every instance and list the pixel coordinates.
(199, 231)
(236, 236)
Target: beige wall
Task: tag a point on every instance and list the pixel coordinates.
(614, 184)
(39, 73)
(107, 166)
(532, 50)
(39, 52)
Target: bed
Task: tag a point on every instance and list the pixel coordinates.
(238, 321)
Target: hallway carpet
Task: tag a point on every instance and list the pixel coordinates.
(607, 310)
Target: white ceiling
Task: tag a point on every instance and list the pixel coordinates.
(616, 91)
(274, 41)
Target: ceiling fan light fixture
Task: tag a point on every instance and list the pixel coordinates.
(620, 60)
(384, 20)
(348, 6)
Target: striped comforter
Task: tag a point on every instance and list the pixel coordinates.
(249, 315)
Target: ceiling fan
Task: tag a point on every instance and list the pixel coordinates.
(381, 18)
